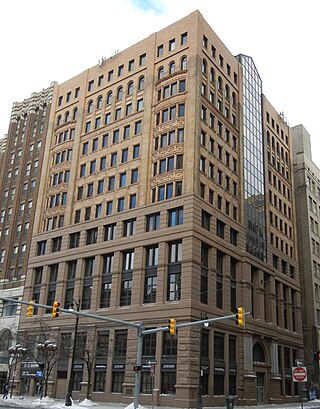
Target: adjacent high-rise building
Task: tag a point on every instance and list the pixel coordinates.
(167, 192)
(21, 161)
(307, 193)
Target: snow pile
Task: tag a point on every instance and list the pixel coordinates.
(87, 402)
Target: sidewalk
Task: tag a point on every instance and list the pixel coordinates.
(48, 403)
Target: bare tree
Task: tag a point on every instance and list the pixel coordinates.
(44, 349)
(91, 347)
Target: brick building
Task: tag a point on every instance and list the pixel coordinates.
(166, 192)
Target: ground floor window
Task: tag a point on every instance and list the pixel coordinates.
(168, 382)
(77, 379)
(146, 382)
(117, 381)
(218, 388)
(99, 381)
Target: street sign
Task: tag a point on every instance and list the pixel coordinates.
(151, 362)
(299, 362)
(299, 374)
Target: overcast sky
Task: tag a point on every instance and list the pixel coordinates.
(44, 41)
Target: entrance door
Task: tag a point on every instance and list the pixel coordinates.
(260, 388)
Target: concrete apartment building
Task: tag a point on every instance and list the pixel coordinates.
(307, 192)
(21, 161)
(167, 192)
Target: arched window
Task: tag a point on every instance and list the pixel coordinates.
(204, 66)
(109, 97)
(67, 116)
(212, 75)
(234, 99)
(130, 88)
(219, 84)
(90, 106)
(226, 91)
(172, 67)
(119, 93)
(75, 113)
(59, 120)
(183, 63)
(160, 73)
(141, 83)
(99, 102)
(258, 353)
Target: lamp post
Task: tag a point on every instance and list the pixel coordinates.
(70, 384)
(48, 349)
(15, 353)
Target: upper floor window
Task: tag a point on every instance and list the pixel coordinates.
(141, 83)
(172, 44)
(175, 217)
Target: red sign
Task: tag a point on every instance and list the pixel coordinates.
(299, 374)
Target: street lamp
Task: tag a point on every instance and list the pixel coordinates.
(15, 353)
(70, 384)
(48, 349)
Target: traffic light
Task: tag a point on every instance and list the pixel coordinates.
(172, 326)
(240, 317)
(30, 309)
(55, 309)
(317, 356)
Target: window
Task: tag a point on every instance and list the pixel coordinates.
(153, 222)
(142, 59)
(9, 309)
(109, 208)
(172, 44)
(220, 228)
(120, 70)
(111, 183)
(122, 179)
(129, 227)
(184, 38)
(174, 271)
(175, 217)
(121, 204)
(56, 244)
(136, 151)
(92, 167)
(87, 213)
(140, 104)
(90, 190)
(90, 85)
(141, 83)
(126, 277)
(205, 220)
(100, 188)
(204, 273)
(134, 176)
(150, 283)
(105, 295)
(82, 170)
(132, 201)
(92, 236)
(131, 65)
(109, 231)
(160, 50)
(233, 236)
(41, 247)
(124, 155)
(137, 127)
(74, 240)
(113, 161)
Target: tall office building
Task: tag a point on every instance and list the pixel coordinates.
(167, 193)
(21, 161)
(307, 192)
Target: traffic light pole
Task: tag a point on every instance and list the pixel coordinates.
(141, 331)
